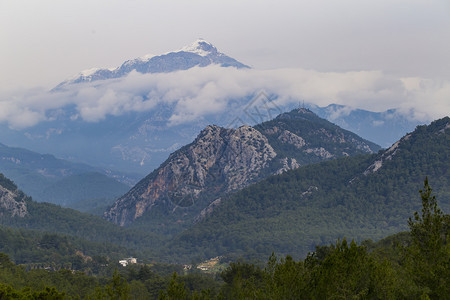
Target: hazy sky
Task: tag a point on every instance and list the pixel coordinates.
(43, 42)
(374, 55)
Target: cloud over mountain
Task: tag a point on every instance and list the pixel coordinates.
(203, 91)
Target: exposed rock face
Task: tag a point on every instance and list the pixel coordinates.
(12, 202)
(320, 152)
(288, 137)
(387, 155)
(229, 158)
(443, 130)
(309, 191)
(303, 136)
(288, 164)
(222, 160)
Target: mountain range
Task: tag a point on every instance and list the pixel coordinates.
(222, 160)
(255, 180)
(361, 196)
(270, 186)
(139, 140)
(213, 169)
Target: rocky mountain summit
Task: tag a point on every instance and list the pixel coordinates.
(302, 135)
(219, 160)
(222, 160)
(200, 53)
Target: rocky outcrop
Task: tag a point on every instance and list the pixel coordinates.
(404, 145)
(320, 152)
(219, 158)
(302, 130)
(288, 137)
(387, 155)
(12, 202)
(309, 191)
(288, 164)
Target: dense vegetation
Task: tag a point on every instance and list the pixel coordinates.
(133, 282)
(409, 265)
(39, 250)
(288, 214)
(50, 218)
(291, 214)
(317, 204)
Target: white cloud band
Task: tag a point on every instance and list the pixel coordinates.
(199, 92)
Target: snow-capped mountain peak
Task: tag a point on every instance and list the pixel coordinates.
(200, 53)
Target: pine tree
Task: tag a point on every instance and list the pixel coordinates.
(175, 290)
(118, 287)
(429, 253)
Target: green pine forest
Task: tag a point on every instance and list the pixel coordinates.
(411, 265)
(335, 229)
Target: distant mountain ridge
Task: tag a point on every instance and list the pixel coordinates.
(47, 178)
(384, 128)
(221, 160)
(200, 53)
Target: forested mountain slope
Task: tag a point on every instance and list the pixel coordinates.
(222, 160)
(35, 249)
(360, 197)
(20, 211)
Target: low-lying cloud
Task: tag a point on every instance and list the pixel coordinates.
(201, 92)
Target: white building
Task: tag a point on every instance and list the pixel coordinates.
(130, 260)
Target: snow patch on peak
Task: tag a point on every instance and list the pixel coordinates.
(84, 74)
(142, 59)
(88, 72)
(146, 57)
(200, 47)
